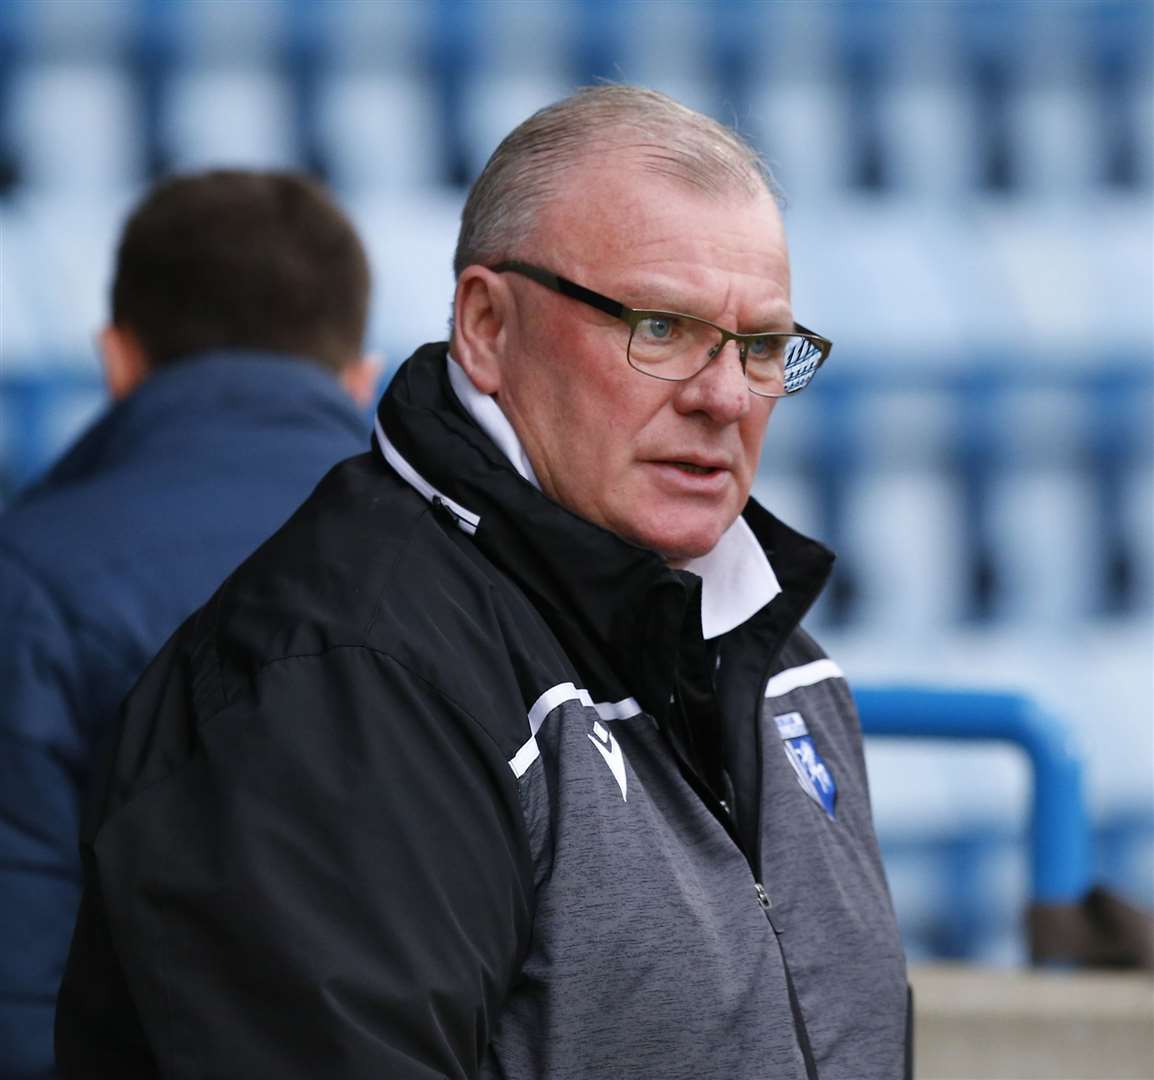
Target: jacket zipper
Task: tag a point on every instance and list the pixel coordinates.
(720, 810)
(799, 1028)
(801, 1032)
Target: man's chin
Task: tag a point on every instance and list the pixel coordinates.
(677, 547)
(678, 533)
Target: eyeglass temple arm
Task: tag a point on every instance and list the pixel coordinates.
(799, 329)
(563, 286)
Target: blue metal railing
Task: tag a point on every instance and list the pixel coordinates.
(1059, 827)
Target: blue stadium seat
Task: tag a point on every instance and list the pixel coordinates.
(213, 32)
(1053, 128)
(65, 247)
(1142, 103)
(235, 115)
(1052, 118)
(801, 126)
(670, 47)
(509, 59)
(410, 240)
(378, 111)
(1045, 543)
(21, 342)
(927, 110)
(904, 516)
(879, 280)
(73, 126)
(387, 36)
(1048, 507)
(1138, 533)
(66, 29)
(793, 104)
(493, 104)
(380, 130)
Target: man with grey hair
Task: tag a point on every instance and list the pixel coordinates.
(507, 756)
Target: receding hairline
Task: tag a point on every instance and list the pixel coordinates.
(730, 179)
(579, 197)
(667, 139)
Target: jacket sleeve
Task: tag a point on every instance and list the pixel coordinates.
(39, 859)
(336, 882)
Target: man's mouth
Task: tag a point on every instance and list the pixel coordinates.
(692, 478)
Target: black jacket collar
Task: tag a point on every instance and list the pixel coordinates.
(622, 615)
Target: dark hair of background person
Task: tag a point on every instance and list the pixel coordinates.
(232, 259)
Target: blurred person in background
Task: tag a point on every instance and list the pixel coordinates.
(234, 361)
(507, 755)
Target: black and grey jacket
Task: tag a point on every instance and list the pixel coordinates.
(445, 782)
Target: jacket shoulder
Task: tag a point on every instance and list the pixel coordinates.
(366, 563)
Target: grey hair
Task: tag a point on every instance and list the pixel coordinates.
(527, 168)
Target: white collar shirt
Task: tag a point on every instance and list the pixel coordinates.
(737, 580)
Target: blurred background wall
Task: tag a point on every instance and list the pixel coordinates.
(970, 212)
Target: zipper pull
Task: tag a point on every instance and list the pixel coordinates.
(765, 902)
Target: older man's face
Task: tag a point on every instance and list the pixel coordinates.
(666, 465)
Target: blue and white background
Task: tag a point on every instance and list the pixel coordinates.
(970, 212)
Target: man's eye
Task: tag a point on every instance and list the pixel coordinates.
(764, 348)
(657, 329)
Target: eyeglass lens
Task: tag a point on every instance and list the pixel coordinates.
(676, 347)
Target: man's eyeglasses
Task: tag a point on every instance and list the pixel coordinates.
(675, 347)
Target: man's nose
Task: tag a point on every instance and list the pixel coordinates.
(719, 389)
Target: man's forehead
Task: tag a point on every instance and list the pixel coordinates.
(663, 244)
(618, 211)
(621, 180)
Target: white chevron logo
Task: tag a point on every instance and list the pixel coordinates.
(607, 747)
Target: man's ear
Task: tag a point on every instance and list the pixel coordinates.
(360, 379)
(481, 311)
(124, 361)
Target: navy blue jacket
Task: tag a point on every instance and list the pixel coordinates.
(99, 563)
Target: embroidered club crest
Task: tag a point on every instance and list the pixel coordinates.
(812, 772)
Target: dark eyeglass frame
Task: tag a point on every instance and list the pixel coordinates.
(632, 316)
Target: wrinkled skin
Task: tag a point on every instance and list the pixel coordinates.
(606, 441)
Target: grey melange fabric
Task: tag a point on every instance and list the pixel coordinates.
(651, 954)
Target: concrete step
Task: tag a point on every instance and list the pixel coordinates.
(990, 1024)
